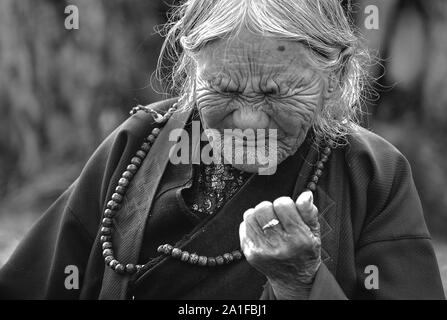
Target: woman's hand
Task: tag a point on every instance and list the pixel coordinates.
(282, 240)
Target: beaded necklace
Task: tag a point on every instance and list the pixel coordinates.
(114, 204)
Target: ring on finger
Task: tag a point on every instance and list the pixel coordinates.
(270, 224)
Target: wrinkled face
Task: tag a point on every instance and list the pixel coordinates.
(255, 82)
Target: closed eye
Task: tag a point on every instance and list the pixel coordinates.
(271, 92)
(227, 92)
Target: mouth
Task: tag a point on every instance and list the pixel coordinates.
(249, 139)
(248, 118)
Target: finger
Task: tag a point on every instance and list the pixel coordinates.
(252, 225)
(251, 221)
(264, 214)
(308, 211)
(246, 243)
(287, 213)
(243, 238)
(249, 233)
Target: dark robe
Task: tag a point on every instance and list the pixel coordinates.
(369, 212)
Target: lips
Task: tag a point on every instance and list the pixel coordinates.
(247, 118)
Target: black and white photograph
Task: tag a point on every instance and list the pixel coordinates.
(235, 151)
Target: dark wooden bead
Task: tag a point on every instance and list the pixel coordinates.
(184, 257)
(171, 110)
(178, 254)
(113, 263)
(123, 182)
(141, 154)
(312, 186)
(136, 161)
(107, 222)
(324, 158)
(202, 261)
(155, 131)
(320, 165)
(105, 238)
(220, 260)
(132, 168)
(193, 258)
(211, 262)
(145, 147)
(228, 257)
(121, 190)
(119, 268)
(151, 138)
(314, 179)
(318, 172)
(106, 231)
(112, 205)
(117, 197)
(167, 248)
(131, 268)
(107, 245)
(108, 259)
(160, 249)
(107, 252)
(327, 151)
(127, 174)
(237, 255)
(109, 213)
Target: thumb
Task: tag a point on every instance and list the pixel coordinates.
(308, 211)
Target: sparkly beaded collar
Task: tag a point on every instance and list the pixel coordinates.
(113, 205)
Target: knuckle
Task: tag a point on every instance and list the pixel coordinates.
(263, 205)
(283, 202)
(247, 213)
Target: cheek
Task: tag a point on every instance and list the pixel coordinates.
(292, 115)
(296, 113)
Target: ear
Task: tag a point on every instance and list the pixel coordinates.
(335, 77)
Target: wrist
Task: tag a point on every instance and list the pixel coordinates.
(290, 290)
(297, 287)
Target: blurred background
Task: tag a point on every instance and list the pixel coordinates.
(62, 91)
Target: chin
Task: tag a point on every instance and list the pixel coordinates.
(263, 166)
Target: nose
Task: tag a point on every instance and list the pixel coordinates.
(249, 118)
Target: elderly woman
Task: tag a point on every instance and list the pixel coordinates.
(331, 213)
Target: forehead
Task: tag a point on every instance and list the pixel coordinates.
(250, 54)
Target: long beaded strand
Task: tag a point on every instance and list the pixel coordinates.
(114, 204)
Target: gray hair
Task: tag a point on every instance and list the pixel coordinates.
(320, 24)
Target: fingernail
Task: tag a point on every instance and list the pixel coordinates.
(308, 200)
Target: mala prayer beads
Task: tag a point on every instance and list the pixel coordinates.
(117, 197)
(114, 204)
(203, 261)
